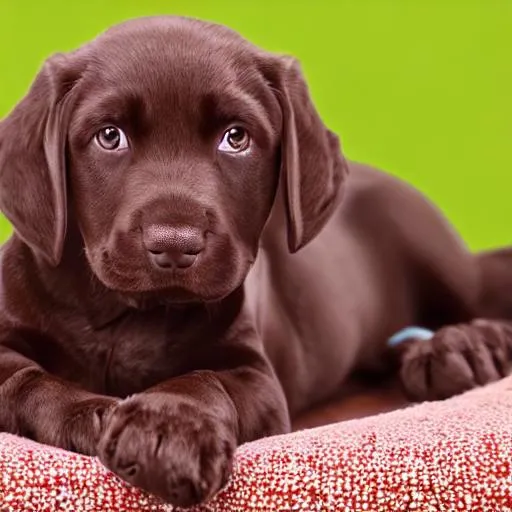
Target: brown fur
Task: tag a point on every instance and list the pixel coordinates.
(306, 263)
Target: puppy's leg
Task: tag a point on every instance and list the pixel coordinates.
(457, 358)
(46, 409)
(177, 440)
(461, 356)
(495, 299)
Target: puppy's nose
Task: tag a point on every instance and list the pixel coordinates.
(173, 246)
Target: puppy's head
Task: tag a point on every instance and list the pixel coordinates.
(164, 141)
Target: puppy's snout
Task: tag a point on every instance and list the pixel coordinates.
(173, 246)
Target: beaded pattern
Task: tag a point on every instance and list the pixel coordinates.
(454, 455)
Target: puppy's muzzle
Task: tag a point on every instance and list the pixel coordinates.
(173, 247)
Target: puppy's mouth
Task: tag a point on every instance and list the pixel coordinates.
(205, 277)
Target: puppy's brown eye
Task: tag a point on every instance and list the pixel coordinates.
(235, 140)
(112, 138)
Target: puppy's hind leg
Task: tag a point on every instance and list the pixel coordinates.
(455, 359)
(463, 354)
(495, 299)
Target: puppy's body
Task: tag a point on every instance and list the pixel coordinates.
(320, 313)
(236, 268)
(363, 278)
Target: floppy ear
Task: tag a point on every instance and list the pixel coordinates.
(32, 160)
(312, 166)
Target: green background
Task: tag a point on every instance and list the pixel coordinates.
(420, 88)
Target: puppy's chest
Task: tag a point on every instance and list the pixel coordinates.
(130, 356)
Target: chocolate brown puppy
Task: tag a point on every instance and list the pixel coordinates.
(195, 262)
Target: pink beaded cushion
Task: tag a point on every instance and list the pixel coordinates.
(454, 455)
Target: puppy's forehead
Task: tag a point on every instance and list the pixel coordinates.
(175, 74)
(181, 55)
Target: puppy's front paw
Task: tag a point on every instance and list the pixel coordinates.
(457, 358)
(170, 446)
(83, 424)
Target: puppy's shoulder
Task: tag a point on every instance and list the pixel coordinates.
(373, 190)
(17, 284)
(366, 180)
